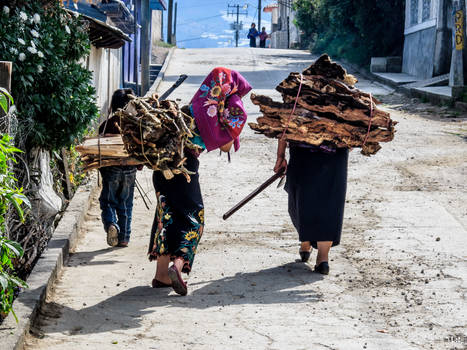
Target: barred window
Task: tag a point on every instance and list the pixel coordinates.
(426, 11)
(413, 12)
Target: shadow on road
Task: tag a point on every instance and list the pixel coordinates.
(86, 258)
(289, 283)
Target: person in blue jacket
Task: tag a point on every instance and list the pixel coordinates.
(252, 34)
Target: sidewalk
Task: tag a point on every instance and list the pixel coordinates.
(397, 281)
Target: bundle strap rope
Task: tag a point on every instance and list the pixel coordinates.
(369, 122)
(293, 109)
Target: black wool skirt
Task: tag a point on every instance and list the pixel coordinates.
(317, 184)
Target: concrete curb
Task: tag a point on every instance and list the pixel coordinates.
(47, 268)
(161, 74)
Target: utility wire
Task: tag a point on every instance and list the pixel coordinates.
(198, 20)
(191, 39)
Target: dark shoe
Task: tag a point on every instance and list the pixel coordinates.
(159, 284)
(322, 268)
(122, 244)
(178, 284)
(112, 235)
(304, 255)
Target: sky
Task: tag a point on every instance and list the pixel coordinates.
(206, 23)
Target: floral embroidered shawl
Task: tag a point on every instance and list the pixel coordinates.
(218, 109)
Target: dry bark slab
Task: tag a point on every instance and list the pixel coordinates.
(330, 110)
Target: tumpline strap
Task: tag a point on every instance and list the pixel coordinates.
(369, 123)
(294, 107)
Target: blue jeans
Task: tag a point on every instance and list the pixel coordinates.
(116, 199)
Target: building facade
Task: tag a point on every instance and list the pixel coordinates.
(428, 38)
(115, 33)
(284, 33)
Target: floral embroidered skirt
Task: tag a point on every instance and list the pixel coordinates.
(179, 219)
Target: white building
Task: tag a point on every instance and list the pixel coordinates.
(284, 33)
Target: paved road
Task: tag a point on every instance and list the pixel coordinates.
(398, 280)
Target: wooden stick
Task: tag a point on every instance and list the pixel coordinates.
(253, 194)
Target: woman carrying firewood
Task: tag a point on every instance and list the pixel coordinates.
(179, 220)
(316, 185)
(118, 182)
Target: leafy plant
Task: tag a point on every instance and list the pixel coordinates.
(9, 195)
(9, 283)
(53, 91)
(5, 100)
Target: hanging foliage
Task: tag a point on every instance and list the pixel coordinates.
(54, 95)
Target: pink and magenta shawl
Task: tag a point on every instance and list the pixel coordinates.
(218, 109)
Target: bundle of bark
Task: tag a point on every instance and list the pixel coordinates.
(329, 111)
(154, 133)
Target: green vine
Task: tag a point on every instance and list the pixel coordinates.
(10, 195)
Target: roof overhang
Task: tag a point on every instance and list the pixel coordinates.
(270, 8)
(103, 35)
(119, 14)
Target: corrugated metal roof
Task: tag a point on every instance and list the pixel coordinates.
(103, 35)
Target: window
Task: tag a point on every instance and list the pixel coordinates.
(426, 11)
(413, 12)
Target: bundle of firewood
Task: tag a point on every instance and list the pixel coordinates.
(155, 133)
(329, 111)
(97, 152)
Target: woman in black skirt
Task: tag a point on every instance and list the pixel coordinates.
(316, 184)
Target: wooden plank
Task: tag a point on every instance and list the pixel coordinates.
(5, 74)
(109, 146)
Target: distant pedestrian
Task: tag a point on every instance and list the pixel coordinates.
(252, 34)
(178, 225)
(262, 37)
(118, 183)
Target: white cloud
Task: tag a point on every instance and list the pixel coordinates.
(214, 36)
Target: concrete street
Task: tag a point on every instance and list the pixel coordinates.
(398, 280)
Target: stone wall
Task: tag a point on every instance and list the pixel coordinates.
(279, 39)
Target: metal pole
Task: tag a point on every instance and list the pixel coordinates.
(169, 22)
(145, 45)
(175, 25)
(135, 49)
(259, 15)
(237, 25)
(162, 25)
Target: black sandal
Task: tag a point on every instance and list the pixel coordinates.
(159, 284)
(304, 255)
(322, 268)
